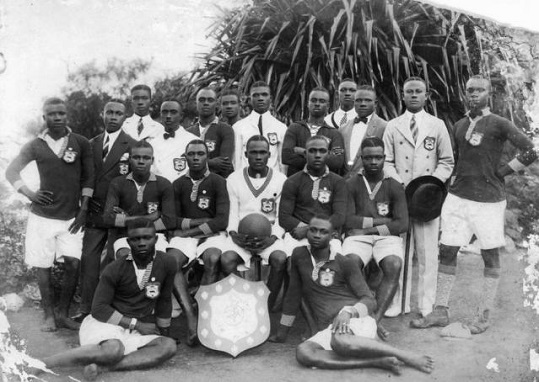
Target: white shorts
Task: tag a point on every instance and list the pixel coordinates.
(361, 327)
(462, 218)
(191, 248)
(93, 332)
(49, 239)
(373, 246)
(160, 245)
(290, 244)
(245, 255)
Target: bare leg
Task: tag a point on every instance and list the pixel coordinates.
(212, 267)
(182, 295)
(47, 300)
(69, 284)
(154, 353)
(277, 261)
(106, 353)
(311, 354)
(391, 267)
(229, 262)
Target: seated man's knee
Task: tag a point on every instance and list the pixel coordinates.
(211, 257)
(391, 265)
(357, 260)
(305, 354)
(122, 253)
(168, 347)
(179, 256)
(71, 264)
(112, 352)
(229, 261)
(448, 254)
(277, 260)
(341, 344)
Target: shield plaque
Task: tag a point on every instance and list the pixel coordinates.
(233, 314)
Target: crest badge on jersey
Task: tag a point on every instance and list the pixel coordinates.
(327, 277)
(324, 196)
(204, 202)
(123, 168)
(152, 290)
(476, 138)
(69, 155)
(429, 143)
(382, 208)
(267, 205)
(211, 146)
(152, 207)
(179, 163)
(273, 139)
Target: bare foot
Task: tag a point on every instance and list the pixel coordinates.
(422, 363)
(388, 363)
(91, 372)
(382, 332)
(49, 325)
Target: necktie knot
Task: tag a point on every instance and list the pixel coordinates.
(475, 113)
(168, 135)
(361, 119)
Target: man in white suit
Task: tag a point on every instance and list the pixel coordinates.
(417, 144)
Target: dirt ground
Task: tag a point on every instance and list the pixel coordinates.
(509, 340)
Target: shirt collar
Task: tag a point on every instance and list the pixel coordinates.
(46, 132)
(256, 116)
(152, 177)
(326, 172)
(484, 112)
(332, 252)
(144, 119)
(206, 174)
(362, 173)
(215, 121)
(418, 115)
(129, 257)
(112, 136)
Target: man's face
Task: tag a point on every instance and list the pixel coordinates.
(365, 102)
(415, 96)
(196, 156)
(260, 99)
(477, 93)
(318, 103)
(230, 106)
(171, 114)
(319, 233)
(141, 160)
(316, 154)
(55, 116)
(347, 90)
(257, 154)
(206, 103)
(140, 100)
(113, 116)
(142, 242)
(373, 160)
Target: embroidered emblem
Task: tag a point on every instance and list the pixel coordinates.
(125, 157)
(152, 289)
(152, 207)
(476, 138)
(179, 163)
(273, 139)
(429, 142)
(383, 208)
(324, 195)
(267, 205)
(70, 155)
(123, 168)
(204, 202)
(211, 146)
(327, 277)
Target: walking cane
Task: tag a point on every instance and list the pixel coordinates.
(406, 263)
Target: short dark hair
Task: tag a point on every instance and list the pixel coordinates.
(317, 138)
(233, 92)
(141, 87)
(414, 78)
(139, 223)
(367, 88)
(347, 79)
(372, 142)
(482, 78)
(53, 101)
(322, 216)
(206, 88)
(319, 89)
(172, 99)
(256, 138)
(142, 143)
(259, 84)
(115, 100)
(197, 142)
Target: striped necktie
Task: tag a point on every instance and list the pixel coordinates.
(140, 126)
(106, 147)
(413, 128)
(344, 119)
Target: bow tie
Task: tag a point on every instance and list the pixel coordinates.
(361, 119)
(166, 135)
(473, 114)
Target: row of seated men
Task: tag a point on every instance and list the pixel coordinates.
(413, 145)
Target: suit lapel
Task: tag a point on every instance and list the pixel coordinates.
(116, 151)
(97, 148)
(424, 129)
(404, 128)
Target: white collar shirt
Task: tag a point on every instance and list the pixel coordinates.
(151, 130)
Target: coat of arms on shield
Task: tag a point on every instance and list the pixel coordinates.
(211, 146)
(204, 202)
(326, 277)
(429, 142)
(69, 155)
(382, 208)
(123, 168)
(233, 314)
(267, 205)
(152, 207)
(273, 139)
(324, 195)
(476, 138)
(179, 163)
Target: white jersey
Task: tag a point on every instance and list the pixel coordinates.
(169, 159)
(274, 131)
(151, 129)
(255, 195)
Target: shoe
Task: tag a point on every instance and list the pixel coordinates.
(79, 317)
(395, 311)
(479, 323)
(438, 317)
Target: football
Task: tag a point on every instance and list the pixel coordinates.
(255, 225)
